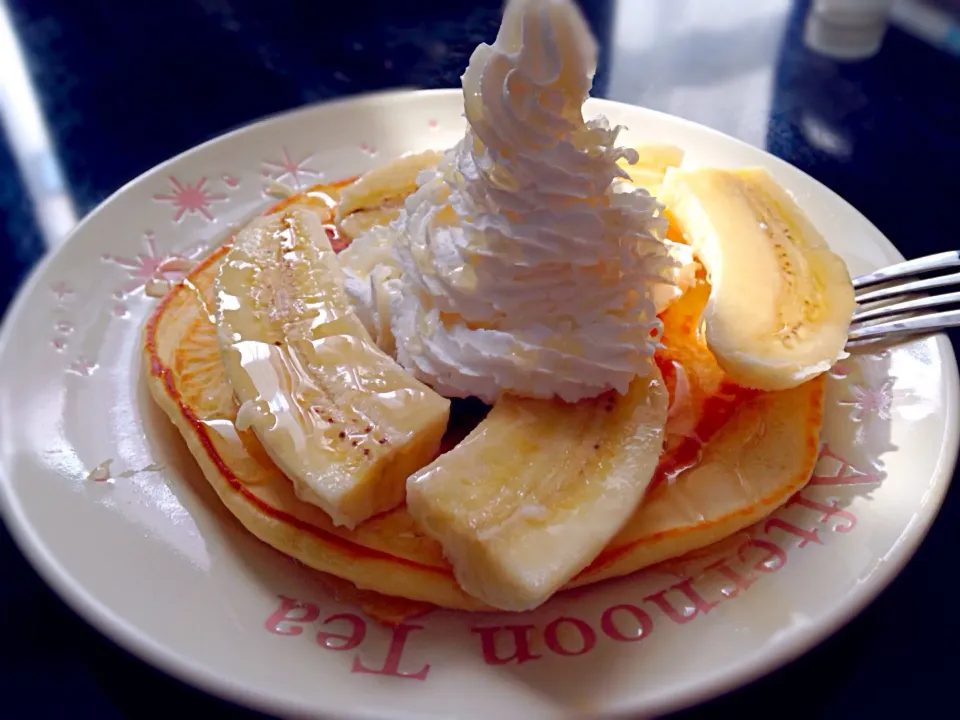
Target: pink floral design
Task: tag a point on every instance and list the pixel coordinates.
(62, 292)
(368, 149)
(62, 328)
(82, 366)
(190, 199)
(230, 180)
(288, 167)
(870, 401)
(870, 394)
(149, 265)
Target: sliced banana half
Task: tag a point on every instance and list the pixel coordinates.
(340, 418)
(781, 301)
(377, 196)
(534, 493)
(652, 164)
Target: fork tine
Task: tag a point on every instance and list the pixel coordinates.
(940, 261)
(910, 287)
(923, 303)
(919, 324)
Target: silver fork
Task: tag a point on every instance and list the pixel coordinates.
(910, 315)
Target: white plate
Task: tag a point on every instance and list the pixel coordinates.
(154, 562)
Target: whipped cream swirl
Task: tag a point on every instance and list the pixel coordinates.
(527, 266)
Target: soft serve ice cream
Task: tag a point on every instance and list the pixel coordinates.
(523, 264)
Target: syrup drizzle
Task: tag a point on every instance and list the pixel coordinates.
(685, 445)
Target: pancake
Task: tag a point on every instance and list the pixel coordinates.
(731, 456)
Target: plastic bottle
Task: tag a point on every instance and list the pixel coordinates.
(847, 29)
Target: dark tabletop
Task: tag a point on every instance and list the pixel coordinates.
(122, 86)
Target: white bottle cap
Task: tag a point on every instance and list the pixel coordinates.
(847, 29)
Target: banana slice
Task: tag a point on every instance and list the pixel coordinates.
(373, 201)
(781, 300)
(361, 222)
(376, 198)
(539, 488)
(647, 173)
(652, 165)
(342, 420)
